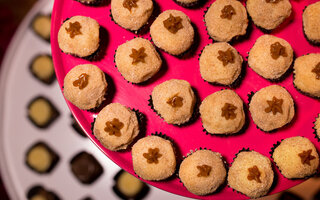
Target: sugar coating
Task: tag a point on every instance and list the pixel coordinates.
(262, 63)
(289, 162)
(134, 19)
(93, 94)
(166, 90)
(269, 121)
(304, 79)
(224, 30)
(213, 70)
(150, 171)
(129, 131)
(238, 174)
(188, 172)
(140, 72)
(268, 15)
(210, 111)
(311, 23)
(177, 43)
(82, 45)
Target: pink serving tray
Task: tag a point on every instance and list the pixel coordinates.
(189, 137)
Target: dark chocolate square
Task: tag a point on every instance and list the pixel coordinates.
(85, 168)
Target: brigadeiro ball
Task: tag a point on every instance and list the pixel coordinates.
(268, 14)
(251, 174)
(311, 23)
(131, 14)
(172, 32)
(307, 74)
(226, 20)
(153, 158)
(296, 157)
(202, 172)
(137, 60)
(85, 86)
(220, 63)
(116, 126)
(222, 113)
(79, 36)
(271, 57)
(174, 101)
(271, 108)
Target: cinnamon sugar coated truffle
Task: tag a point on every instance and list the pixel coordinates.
(116, 126)
(271, 108)
(85, 86)
(131, 14)
(268, 14)
(172, 32)
(251, 174)
(220, 63)
(153, 158)
(202, 172)
(79, 36)
(174, 101)
(311, 23)
(222, 113)
(270, 57)
(226, 19)
(307, 74)
(296, 157)
(137, 60)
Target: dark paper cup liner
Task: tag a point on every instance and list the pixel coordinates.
(314, 128)
(91, 3)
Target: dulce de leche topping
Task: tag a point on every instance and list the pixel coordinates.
(138, 55)
(129, 4)
(173, 24)
(226, 56)
(204, 170)
(82, 81)
(272, 1)
(254, 174)
(175, 101)
(228, 111)
(275, 105)
(306, 156)
(74, 29)
(316, 70)
(227, 12)
(277, 50)
(113, 127)
(152, 155)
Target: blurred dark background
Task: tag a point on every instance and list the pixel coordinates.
(11, 14)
